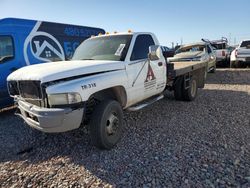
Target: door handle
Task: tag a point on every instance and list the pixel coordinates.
(160, 64)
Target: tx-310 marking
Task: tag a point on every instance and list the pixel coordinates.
(88, 86)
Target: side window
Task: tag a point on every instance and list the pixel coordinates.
(6, 48)
(141, 47)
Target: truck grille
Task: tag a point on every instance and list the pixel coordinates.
(13, 89)
(30, 91)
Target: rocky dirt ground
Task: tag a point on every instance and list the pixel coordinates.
(204, 143)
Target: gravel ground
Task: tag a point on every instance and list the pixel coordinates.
(204, 143)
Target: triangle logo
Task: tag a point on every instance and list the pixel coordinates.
(150, 74)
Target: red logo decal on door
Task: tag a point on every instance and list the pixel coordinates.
(150, 74)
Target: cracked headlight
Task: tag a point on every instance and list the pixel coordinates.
(64, 99)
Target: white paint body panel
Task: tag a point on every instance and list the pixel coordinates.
(47, 72)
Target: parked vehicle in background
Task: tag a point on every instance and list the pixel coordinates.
(231, 49)
(167, 52)
(107, 74)
(177, 47)
(240, 57)
(222, 51)
(196, 52)
(24, 42)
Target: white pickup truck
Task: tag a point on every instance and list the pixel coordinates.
(240, 57)
(221, 49)
(108, 74)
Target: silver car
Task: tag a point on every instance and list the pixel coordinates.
(200, 51)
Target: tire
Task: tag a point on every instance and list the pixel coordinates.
(205, 75)
(178, 89)
(106, 124)
(234, 64)
(243, 65)
(89, 108)
(191, 93)
(214, 70)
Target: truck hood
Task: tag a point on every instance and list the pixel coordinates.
(186, 56)
(64, 69)
(189, 54)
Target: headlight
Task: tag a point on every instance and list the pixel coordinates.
(64, 98)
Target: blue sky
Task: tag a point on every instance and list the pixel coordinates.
(170, 20)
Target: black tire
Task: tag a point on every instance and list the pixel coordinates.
(234, 64)
(205, 73)
(213, 70)
(243, 65)
(106, 124)
(89, 108)
(178, 89)
(191, 93)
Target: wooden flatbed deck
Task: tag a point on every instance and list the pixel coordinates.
(184, 67)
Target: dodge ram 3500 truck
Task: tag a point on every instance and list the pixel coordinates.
(107, 74)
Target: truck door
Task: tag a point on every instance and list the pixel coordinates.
(145, 78)
(8, 64)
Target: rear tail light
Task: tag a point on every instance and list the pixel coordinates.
(223, 53)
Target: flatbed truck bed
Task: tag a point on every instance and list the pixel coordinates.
(181, 68)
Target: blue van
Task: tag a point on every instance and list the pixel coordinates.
(24, 42)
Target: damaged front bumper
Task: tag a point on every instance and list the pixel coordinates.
(50, 120)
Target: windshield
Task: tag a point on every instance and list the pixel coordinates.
(219, 46)
(196, 48)
(112, 48)
(245, 43)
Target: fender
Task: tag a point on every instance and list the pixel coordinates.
(87, 86)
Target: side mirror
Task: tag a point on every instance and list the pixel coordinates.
(154, 52)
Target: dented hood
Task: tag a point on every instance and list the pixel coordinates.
(64, 69)
(189, 55)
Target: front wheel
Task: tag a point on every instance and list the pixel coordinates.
(106, 124)
(213, 70)
(191, 93)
